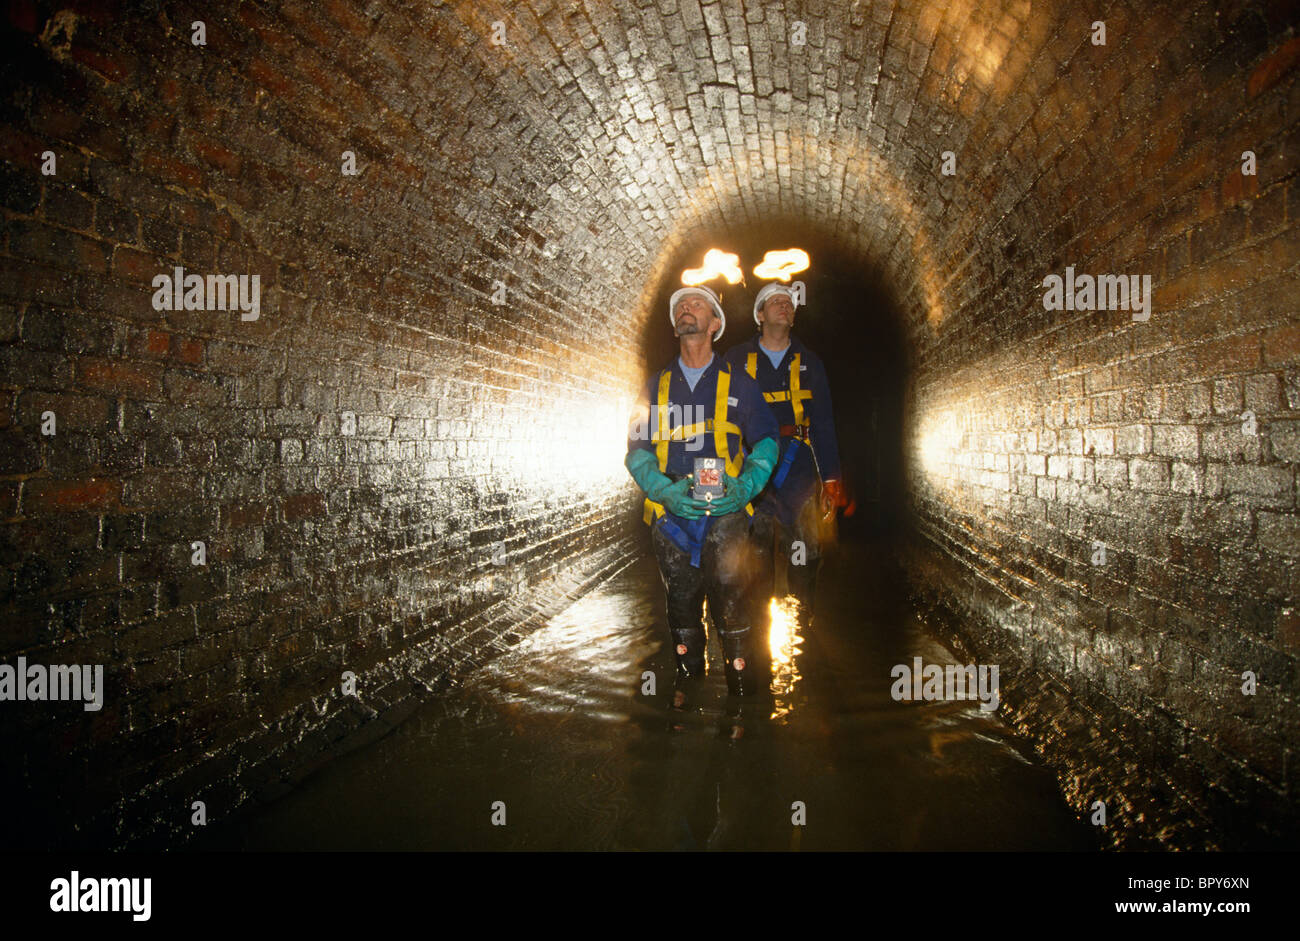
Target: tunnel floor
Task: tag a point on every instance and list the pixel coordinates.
(559, 730)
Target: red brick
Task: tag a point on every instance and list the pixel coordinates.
(1237, 185)
(270, 78)
(217, 156)
(113, 67)
(157, 342)
(173, 171)
(1274, 68)
(1282, 346)
(302, 506)
(120, 377)
(187, 349)
(169, 91)
(22, 149)
(345, 15)
(242, 515)
(135, 265)
(95, 493)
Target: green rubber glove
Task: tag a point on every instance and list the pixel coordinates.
(659, 487)
(644, 468)
(753, 478)
(733, 499)
(677, 500)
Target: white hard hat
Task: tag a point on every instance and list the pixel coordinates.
(702, 291)
(775, 287)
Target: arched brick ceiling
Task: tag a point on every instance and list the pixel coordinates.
(576, 159)
(678, 118)
(643, 124)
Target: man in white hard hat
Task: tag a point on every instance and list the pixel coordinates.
(699, 411)
(794, 385)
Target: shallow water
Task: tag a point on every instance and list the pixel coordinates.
(560, 730)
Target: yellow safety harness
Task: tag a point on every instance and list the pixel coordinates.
(719, 424)
(794, 395)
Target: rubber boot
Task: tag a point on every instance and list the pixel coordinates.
(737, 715)
(743, 676)
(689, 649)
(685, 692)
(732, 726)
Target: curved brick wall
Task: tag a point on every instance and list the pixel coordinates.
(566, 174)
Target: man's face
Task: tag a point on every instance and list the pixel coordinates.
(777, 309)
(696, 315)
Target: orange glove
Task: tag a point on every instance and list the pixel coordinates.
(834, 497)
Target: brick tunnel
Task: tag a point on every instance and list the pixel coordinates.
(465, 220)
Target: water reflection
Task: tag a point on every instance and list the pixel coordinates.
(582, 731)
(784, 617)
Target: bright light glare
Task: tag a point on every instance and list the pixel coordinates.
(939, 440)
(783, 645)
(785, 630)
(717, 263)
(782, 265)
(579, 450)
(597, 453)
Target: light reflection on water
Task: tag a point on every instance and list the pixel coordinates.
(783, 644)
(582, 731)
(584, 659)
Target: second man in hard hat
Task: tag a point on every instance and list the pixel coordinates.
(806, 485)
